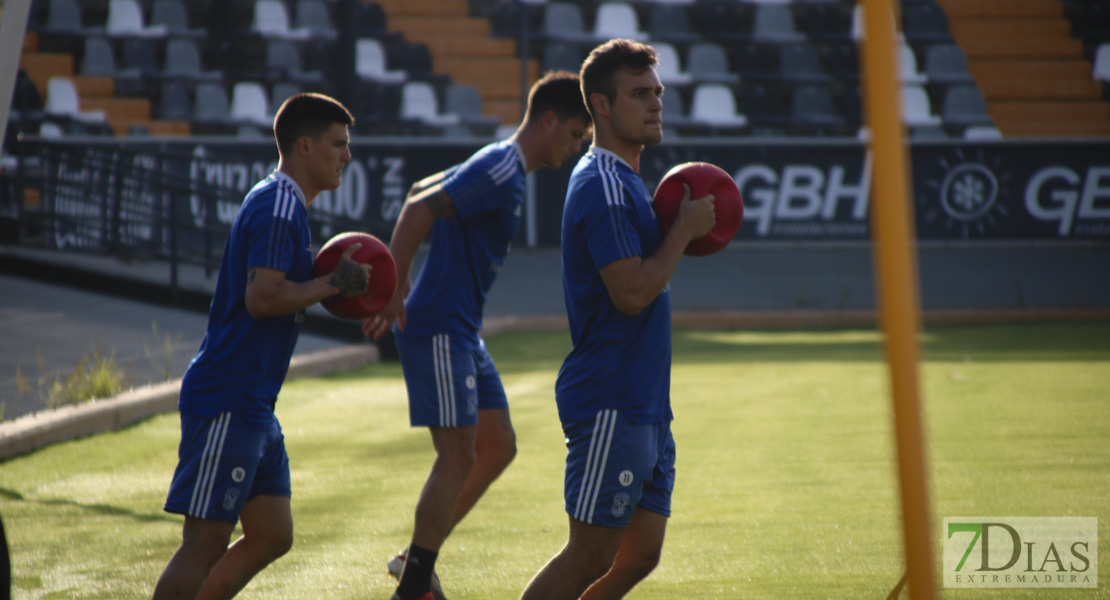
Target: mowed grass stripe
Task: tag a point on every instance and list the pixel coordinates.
(786, 474)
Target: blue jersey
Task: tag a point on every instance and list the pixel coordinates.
(468, 249)
(242, 361)
(617, 362)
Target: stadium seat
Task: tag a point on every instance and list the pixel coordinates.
(210, 104)
(125, 17)
(249, 104)
(907, 62)
(617, 20)
(138, 56)
(174, 102)
(670, 67)
(313, 16)
(925, 22)
(674, 110)
(370, 62)
(284, 57)
(774, 23)
(172, 15)
(824, 21)
(724, 22)
(964, 105)
(271, 19)
(916, 108)
(62, 100)
(947, 63)
(799, 63)
(858, 33)
(707, 62)
(64, 16)
(563, 21)
(419, 103)
(369, 20)
(282, 91)
(183, 61)
(465, 101)
(99, 59)
(813, 111)
(714, 104)
(670, 23)
(757, 62)
(561, 55)
(1101, 66)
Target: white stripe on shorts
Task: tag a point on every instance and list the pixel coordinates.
(209, 465)
(441, 357)
(596, 457)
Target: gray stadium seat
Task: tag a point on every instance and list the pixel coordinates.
(563, 21)
(774, 23)
(313, 16)
(211, 103)
(964, 105)
(183, 61)
(800, 63)
(707, 62)
(813, 109)
(172, 15)
(174, 104)
(671, 23)
(284, 56)
(947, 63)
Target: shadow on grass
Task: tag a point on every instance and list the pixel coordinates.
(104, 509)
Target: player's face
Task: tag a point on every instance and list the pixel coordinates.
(637, 115)
(565, 141)
(328, 155)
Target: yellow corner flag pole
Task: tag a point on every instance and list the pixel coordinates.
(895, 262)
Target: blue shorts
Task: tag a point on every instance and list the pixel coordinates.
(223, 463)
(615, 465)
(449, 380)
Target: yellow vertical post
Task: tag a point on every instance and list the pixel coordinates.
(895, 262)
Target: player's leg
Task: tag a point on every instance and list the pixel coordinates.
(455, 459)
(496, 440)
(495, 448)
(587, 556)
(267, 535)
(638, 556)
(203, 542)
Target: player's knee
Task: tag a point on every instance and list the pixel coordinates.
(641, 564)
(277, 545)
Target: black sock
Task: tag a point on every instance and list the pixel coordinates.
(416, 579)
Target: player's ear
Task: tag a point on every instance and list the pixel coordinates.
(549, 120)
(600, 102)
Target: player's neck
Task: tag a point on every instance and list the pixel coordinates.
(299, 175)
(629, 151)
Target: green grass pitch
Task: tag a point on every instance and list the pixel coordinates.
(786, 474)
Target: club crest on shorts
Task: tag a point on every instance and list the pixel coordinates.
(620, 504)
(230, 499)
(625, 478)
(238, 474)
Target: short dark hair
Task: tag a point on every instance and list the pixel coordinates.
(307, 115)
(558, 91)
(601, 66)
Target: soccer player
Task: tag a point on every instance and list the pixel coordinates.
(454, 389)
(613, 390)
(232, 461)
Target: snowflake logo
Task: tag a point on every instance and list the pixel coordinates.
(969, 191)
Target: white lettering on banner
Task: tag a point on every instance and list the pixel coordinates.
(393, 187)
(349, 201)
(1065, 203)
(238, 176)
(802, 193)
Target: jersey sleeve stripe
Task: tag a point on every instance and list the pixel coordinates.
(504, 169)
(614, 198)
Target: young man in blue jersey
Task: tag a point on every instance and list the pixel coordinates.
(473, 210)
(613, 391)
(232, 461)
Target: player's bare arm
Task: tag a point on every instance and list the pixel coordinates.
(635, 282)
(270, 294)
(424, 184)
(413, 225)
